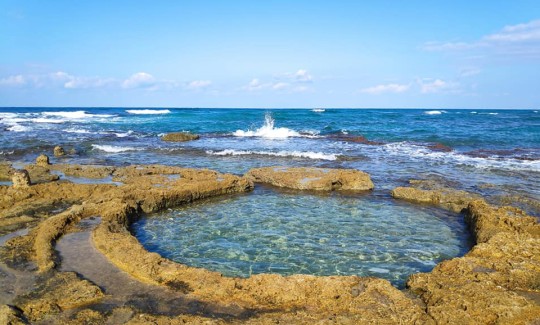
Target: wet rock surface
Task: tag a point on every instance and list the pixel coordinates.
(319, 179)
(179, 137)
(498, 281)
(59, 151)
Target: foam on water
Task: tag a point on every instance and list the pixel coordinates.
(268, 131)
(434, 112)
(421, 152)
(318, 110)
(298, 154)
(148, 111)
(114, 149)
(77, 115)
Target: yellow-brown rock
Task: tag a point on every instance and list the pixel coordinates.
(319, 179)
(59, 151)
(179, 137)
(20, 178)
(446, 198)
(43, 160)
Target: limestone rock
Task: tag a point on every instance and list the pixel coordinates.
(59, 151)
(320, 179)
(10, 316)
(5, 171)
(446, 198)
(20, 179)
(43, 160)
(179, 137)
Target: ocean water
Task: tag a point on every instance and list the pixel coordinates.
(495, 153)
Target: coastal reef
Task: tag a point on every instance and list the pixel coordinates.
(498, 281)
(318, 179)
(179, 137)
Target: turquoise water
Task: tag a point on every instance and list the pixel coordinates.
(494, 153)
(270, 231)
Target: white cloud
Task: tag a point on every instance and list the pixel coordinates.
(85, 83)
(430, 86)
(280, 85)
(303, 76)
(255, 84)
(199, 84)
(12, 81)
(521, 40)
(388, 88)
(139, 80)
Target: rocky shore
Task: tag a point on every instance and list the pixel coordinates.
(498, 281)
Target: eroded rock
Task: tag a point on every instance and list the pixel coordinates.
(43, 160)
(447, 198)
(20, 179)
(320, 179)
(179, 137)
(59, 151)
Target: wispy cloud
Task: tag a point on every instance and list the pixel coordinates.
(287, 82)
(199, 84)
(386, 88)
(521, 40)
(139, 80)
(430, 86)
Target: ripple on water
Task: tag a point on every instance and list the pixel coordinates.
(271, 231)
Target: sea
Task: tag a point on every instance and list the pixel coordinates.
(494, 153)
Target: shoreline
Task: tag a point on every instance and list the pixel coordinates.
(505, 236)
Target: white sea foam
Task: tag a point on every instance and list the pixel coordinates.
(17, 128)
(47, 120)
(148, 111)
(125, 134)
(434, 112)
(318, 110)
(108, 148)
(76, 115)
(268, 131)
(420, 152)
(80, 131)
(298, 154)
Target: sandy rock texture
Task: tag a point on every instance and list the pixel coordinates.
(434, 193)
(497, 282)
(179, 137)
(319, 179)
(59, 151)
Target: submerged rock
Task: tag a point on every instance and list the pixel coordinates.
(20, 178)
(59, 151)
(179, 137)
(320, 179)
(43, 160)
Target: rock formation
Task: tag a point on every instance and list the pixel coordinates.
(319, 179)
(179, 137)
(59, 151)
(42, 160)
(20, 179)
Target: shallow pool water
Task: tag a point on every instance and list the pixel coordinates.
(285, 232)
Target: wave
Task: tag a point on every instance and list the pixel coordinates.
(123, 135)
(17, 128)
(434, 112)
(268, 131)
(115, 149)
(148, 111)
(80, 131)
(298, 154)
(422, 152)
(318, 110)
(76, 115)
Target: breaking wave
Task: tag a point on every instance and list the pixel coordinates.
(114, 149)
(76, 115)
(434, 112)
(297, 154)
(148, 111)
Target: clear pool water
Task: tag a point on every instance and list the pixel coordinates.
(271, 231)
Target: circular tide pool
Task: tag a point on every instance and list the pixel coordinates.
(271, 231)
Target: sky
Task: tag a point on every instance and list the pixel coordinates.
(270, 54)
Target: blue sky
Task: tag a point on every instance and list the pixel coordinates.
(426, 54)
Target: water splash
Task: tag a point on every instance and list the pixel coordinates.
(268, 130)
